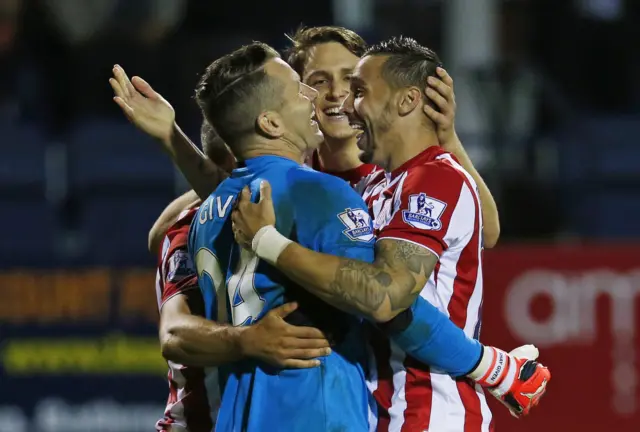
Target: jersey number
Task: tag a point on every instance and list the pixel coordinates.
(246, 303)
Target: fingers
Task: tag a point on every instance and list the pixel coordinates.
(305, 332)
(529, 352)
(308, 354)
(300, 364)
(445, 77)
(438, 99)
(128, 111)
(284, 310)
(144, 87)
(124, 81)
(245, 196)
(265, 191)
(435, 116)
(311, 344)
(119, 92)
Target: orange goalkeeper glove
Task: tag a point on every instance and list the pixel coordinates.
(515, 378)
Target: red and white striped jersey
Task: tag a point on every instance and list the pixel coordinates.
(431, 201)
(187, 406)
(353, 176)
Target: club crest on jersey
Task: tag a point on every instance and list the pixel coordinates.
(358, 225)
(180, 266)
(424, 212)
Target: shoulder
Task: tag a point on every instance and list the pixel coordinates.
(438, 177)
(441, 169)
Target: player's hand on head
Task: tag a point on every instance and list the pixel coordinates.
(249, 217)
(143, 106)
(283, 345)
(440, 91)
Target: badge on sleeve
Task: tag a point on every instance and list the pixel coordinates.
(180, 266)
(358, 225)
(424, 212)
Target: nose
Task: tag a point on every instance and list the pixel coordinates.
(309, 92)
(347, 103)
(338, 90)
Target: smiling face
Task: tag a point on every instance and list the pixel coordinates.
(297, 111)
(328, 70)
(370, 109)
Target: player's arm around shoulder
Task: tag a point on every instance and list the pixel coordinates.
(330, 216)
(377, 290)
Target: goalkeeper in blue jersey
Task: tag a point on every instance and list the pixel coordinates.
(260, 108)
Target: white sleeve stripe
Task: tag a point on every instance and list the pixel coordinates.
(462, 221)
(409, 241)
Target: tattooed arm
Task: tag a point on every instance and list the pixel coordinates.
(378, 290)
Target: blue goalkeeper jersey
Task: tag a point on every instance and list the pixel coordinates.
(323, 213)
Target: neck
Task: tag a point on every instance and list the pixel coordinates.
(410, 142)
(339, 155)
(288, 152)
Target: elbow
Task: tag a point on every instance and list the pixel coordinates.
(384, 315)
(491, 236)
(154, 239)
(170, 347)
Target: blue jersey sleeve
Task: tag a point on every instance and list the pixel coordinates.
(330, 216)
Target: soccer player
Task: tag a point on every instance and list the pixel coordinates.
(186, 337)
(325, 58)
(264, 113)
(427, 219)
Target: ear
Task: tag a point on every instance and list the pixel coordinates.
(409, 99)
(270, 124)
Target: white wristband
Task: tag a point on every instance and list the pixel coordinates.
(268, 244)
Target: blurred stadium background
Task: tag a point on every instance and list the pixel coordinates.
(548, 95)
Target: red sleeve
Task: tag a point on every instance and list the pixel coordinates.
(434, 207)
(176, 270)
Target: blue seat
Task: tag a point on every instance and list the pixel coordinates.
(107, 153)
(22, 165)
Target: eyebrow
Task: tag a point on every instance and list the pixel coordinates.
(357, 80)
(344, 71)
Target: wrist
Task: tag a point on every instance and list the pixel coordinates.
(450, 141)
(268, 244)
(168, 139)
(491, 368)
(242, 340)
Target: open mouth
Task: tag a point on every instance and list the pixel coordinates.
(314, 118)
(334, 114)
(360, 133)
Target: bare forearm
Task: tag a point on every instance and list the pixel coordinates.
(202, 174)
(351, 285)
(490, 217)
(168, 218)
(195, 341)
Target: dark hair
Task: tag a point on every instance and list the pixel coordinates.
(409, 63)
(307, 37)
(235, 89)
(214, 146)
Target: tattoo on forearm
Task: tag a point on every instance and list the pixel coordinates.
(399, 273)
